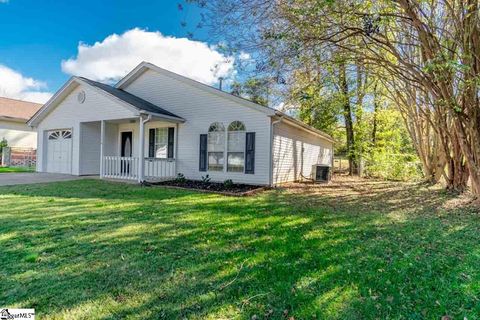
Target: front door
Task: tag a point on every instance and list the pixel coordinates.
(126, 150)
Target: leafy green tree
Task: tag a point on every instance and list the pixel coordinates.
(253, 89)
(3, 144)
(391, 155)
(316, 103)
(257, 90)
(421, 55)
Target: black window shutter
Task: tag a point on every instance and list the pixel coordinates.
(151, 143)
(250, 153)
(171, 132)
(203, 152)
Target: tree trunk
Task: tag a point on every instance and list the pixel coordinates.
(459, 170)
(426, 139)
(375, 110)
(471, 159)
(347, 114)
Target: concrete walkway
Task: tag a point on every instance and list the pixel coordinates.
(10, 179)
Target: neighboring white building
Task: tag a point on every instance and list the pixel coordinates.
(154, 124)
(14, 115)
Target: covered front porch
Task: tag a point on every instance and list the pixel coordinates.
(138, 149)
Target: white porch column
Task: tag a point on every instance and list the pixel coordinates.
(175, 143)
(102, 144)
(141, 150)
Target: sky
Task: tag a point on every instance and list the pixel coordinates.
(43, 43)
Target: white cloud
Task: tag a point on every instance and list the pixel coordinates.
(36, 96)
(14, 85)
(112, 58)
(244, 56)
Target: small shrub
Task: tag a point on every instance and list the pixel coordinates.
(206, 179)
(3, 144)
(393, 167)
(180, 178)
(228, 183)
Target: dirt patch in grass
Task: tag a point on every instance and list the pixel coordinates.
(236, 189)
(366, 195)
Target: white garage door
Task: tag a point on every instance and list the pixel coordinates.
(59, 151)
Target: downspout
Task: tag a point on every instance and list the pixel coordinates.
(148, 119)
(141, 155)
(271, 148)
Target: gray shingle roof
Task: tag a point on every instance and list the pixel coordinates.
(131, 99)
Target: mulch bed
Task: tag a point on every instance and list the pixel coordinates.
(235, 189)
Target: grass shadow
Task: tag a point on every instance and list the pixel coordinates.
(351, 249)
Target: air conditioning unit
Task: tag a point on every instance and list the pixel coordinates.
(321, 173)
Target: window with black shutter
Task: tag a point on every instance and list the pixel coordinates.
(161, 143)
(250, 153)
(171, 139)
(203, 152)
(151, 143)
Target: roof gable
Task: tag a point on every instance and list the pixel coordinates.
(144, 66)
(137, 102)
(125, 99)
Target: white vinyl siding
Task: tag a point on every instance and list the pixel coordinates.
(295, 151)
(70, 113)
(111, 142)
(90, 147)
(201, 109)
(18, 134)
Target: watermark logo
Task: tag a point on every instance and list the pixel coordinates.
(17, 314)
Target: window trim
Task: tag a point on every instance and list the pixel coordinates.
(226, 130)
(58, 134)
(216, 125)
(155, 142)
(243, 131)
(149, 146)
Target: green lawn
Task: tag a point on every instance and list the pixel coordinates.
(352, 250)
(15, 169)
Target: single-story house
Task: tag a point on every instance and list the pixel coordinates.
(154, 124)
(14, 115)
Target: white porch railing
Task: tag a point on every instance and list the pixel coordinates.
(120, 167)
(156, 168)
(115, 167)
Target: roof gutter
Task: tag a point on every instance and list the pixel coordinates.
(14, 119)
(163, 116)
(294, 122)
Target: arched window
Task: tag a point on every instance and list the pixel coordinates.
(216, 146)
(236, 147)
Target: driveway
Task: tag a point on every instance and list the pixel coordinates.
(9, 179)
